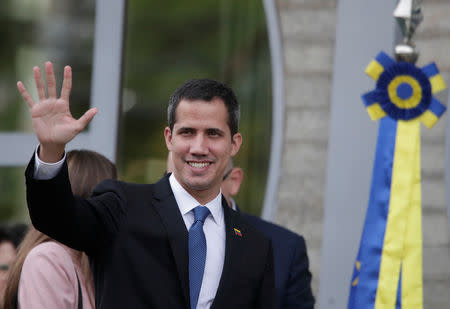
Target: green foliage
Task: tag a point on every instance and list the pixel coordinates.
(12, 201)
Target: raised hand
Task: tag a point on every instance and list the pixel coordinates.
(52, 121)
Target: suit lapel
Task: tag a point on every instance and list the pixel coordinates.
(234, 244)
(167, 207)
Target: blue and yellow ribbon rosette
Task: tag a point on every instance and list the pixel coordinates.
(388, 268)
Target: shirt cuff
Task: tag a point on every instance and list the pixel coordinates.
(44, 170)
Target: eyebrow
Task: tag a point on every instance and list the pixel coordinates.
(215, 130)
(184, 129)
(209, 130)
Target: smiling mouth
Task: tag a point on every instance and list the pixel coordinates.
(199, 164)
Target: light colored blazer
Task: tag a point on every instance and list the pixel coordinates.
(48, 279)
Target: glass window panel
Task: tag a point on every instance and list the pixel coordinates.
(13, 205)
(169, 42)
(33, 32)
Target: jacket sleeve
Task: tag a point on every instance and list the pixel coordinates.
(267, 290)
(298, 292)
(83, 224)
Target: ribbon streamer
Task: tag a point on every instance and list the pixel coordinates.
(388, 268)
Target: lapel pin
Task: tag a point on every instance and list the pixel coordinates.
(237, 232)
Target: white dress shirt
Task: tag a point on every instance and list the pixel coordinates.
(44, 170)
(233, 204)
(214, 228)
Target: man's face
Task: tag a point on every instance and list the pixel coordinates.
(7, 257)
(201, 145)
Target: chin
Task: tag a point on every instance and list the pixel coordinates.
(198, 186)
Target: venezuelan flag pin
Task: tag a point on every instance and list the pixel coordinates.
(237, 232)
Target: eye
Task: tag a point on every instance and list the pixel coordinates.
(186, 131)
(214, 132)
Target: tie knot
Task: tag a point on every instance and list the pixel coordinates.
(200, 213)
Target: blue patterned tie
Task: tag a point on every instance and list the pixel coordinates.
(197, 253)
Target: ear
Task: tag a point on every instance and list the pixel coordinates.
(236, 143)
(168, 138)
(235, 177)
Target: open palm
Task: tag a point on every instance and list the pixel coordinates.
(52, 121)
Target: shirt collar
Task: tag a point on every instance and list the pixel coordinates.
(233, 204)
(187, 202)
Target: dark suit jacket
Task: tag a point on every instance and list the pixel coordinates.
(292, 276)
(138, 244)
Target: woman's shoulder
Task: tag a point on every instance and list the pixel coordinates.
(48, 278)
(48, 254)
(48, 248)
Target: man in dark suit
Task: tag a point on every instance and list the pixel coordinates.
(292, 275)
(173, 244)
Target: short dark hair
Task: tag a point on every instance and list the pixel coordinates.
(5, 234)
(13, 233)
(228, 169)
(18, 232)
(206, 90)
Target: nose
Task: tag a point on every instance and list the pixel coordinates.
(199, 145)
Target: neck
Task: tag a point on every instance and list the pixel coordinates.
(203, 196)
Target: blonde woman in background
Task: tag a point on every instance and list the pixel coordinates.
(48, 274)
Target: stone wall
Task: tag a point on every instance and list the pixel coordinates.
(308, 33)
(433, 42)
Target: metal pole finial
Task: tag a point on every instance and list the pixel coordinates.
(408, 14)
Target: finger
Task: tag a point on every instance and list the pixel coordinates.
(25, 95)
(87, 117)
(67, 83)
(51, 83)
(39, 83)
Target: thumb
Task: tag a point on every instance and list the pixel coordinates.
(87, 117)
